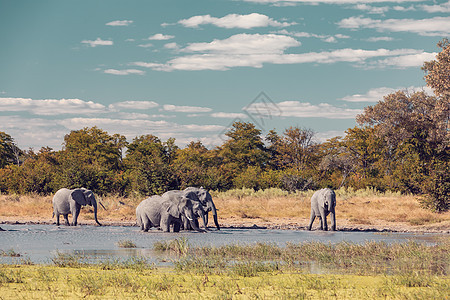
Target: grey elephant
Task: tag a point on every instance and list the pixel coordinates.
(208, 205)
(203, 196)
(197, 207)
(67, 202)
(157, 211)
(323, 202)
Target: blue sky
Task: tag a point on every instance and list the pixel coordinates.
(188, 69)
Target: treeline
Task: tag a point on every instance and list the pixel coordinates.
(400, 144)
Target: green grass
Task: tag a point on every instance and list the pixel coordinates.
(126, 244)
(373, 270)
(50, 282)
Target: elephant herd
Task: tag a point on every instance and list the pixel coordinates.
(176, 209)
(179, 209)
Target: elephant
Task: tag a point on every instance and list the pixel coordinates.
(208, 205)
(197, 207)
(67, 202)
(157, 211)
(323, 202)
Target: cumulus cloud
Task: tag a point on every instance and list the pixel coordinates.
(438, 26)
(299, 109)
(314, 2)
(377, 94)
(161, 37)
(404, 61)
(380, 39)
(51, 106)
(440, 8)
(124, 72)
(252, 20)
(140, 105)
(246, 44)
(186, 109)
(323, 37)
(247, 50)
(229, 115)
(120, 23)
(372, 9)
(98, 42)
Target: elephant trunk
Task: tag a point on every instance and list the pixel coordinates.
(204, 218)
(194, 225)
(214, 212)
(94, 204)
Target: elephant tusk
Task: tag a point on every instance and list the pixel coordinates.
(190, 219)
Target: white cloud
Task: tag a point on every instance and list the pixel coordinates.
(98, 42)
(124, 72)
(372, 9)
(186, 109)
(440, 8)
(51, 106)
(172, 46)
(246, 44)
(229, 115)
(141, 105)
(322, 137)
(299, 109)
(252, 20)
(149, 45)
(438, 26)
(377, 94)
(315, 2)
(225, 58)
(380, 38)
(323, 37)
(120, 23)
(161, 37)
(405, 61)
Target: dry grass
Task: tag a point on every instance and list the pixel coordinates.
(354, 208)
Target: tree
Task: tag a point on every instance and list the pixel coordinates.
(148, 165)
(92, 158)
(9, 152)
(438, 71)
(244, 147)
(296, 148)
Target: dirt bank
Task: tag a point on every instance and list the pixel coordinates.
(274, 223)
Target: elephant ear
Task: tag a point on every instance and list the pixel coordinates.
(78, 196)
(191, 195)
(173, 209)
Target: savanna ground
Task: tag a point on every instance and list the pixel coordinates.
(304, 271)
(273, 208)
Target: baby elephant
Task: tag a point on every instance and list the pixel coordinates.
(323, 202)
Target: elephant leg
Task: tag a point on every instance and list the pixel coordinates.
(57, 219)
(176, 226)
(311, 219)
(145, 224)
(165, 225)
(333, 220)
(76, 213)
(66, 218)
(323, 221)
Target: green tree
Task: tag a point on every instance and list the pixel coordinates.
(92, 158)
(9, 152)
(191, 165)
(244, 147)
(148, 164)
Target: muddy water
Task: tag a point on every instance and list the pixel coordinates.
(39, 243)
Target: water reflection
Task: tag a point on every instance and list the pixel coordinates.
(40, 243)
